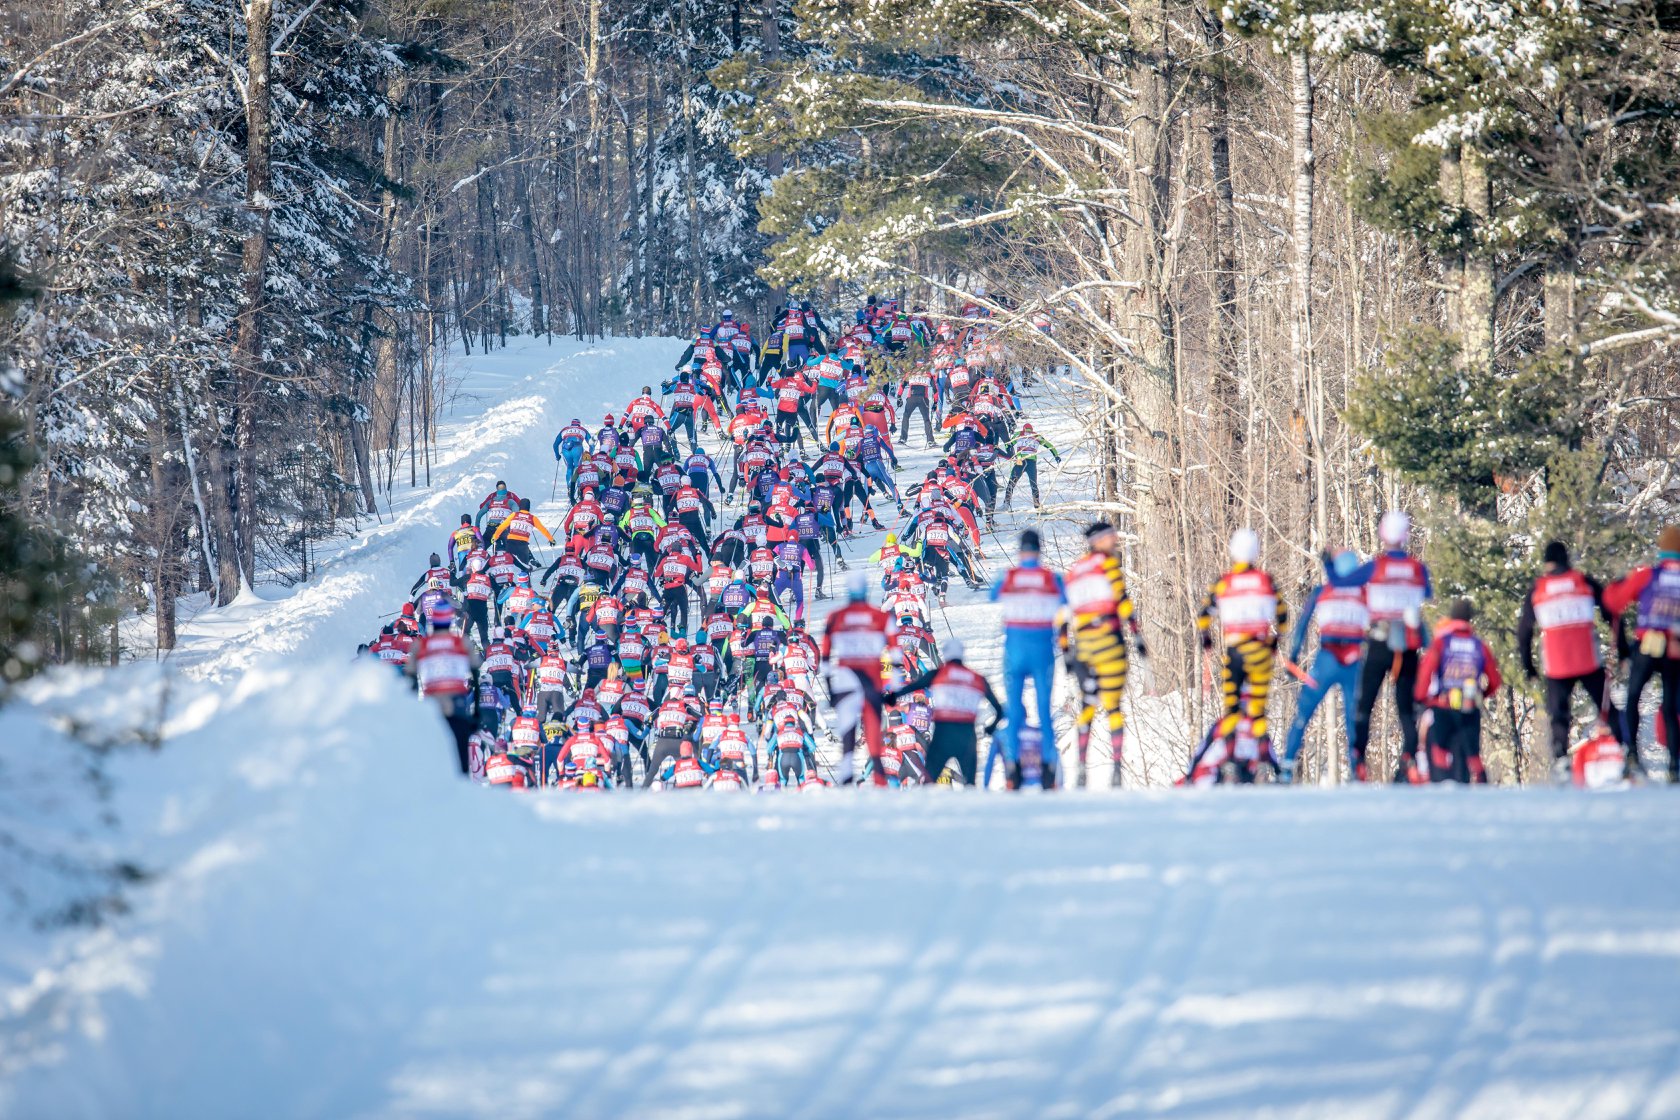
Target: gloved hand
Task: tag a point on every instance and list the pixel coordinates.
(991, 728)
(1207, 640)
(1142, 650)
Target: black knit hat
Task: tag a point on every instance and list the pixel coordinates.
(1030, 541)
(1556, 552)
(1097, 529)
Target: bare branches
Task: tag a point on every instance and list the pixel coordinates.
(25, 71)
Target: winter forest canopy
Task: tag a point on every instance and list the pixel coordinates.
(1302, 261)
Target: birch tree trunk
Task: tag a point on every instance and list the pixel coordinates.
(165, 564)
(1301, 323)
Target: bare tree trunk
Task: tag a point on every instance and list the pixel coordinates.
(527, 221)
(644, 248)
(1150, 323)
(770, 29)
(697, 268)
(248, 342)
(1562, 313)
(204, 527)
(1476, 292)
(165, 564)
(1301, 323)
(220, 502)
(1227, 379)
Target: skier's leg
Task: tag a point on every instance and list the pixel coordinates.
(1640, 671)
(1560, 691)
(1471, 752)
(1373, 670)
(1669, 713)
(1305, 708)
(1406, 707)
(1043, 673)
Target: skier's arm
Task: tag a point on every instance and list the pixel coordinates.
(1622, 592)
(543, 529)
(921, 682)
(1427, 666)
(1525, 636)
(1204, 617)
(1307, 608)
(1494, 679)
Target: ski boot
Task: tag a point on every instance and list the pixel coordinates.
(1116, 777)
(1047, 777)
(1286, 774)
(1079, 777)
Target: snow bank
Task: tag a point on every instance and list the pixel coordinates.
(380, 941)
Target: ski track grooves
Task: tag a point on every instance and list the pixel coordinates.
(1094, 1056)
(664, 1032)
(1168, 968)
(931, 966)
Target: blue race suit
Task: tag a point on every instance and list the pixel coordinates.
(1030, 596)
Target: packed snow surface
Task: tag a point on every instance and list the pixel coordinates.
(332, 924)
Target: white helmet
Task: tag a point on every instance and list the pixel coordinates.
(857, 585)
(1245, 546)
(1395, 528)
(952, 649)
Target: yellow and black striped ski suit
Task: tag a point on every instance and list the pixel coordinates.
(1251, 618)
(1101, 610)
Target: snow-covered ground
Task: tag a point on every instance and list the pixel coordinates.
(304, 913)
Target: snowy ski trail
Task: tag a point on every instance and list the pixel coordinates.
(336, 926)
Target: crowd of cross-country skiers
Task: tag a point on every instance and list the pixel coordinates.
(667, 645)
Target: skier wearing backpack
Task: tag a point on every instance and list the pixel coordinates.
(1655, 590)
(1456, 677)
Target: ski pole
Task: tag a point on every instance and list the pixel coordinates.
(554, 491)
(1298, 673)
(947, 619)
